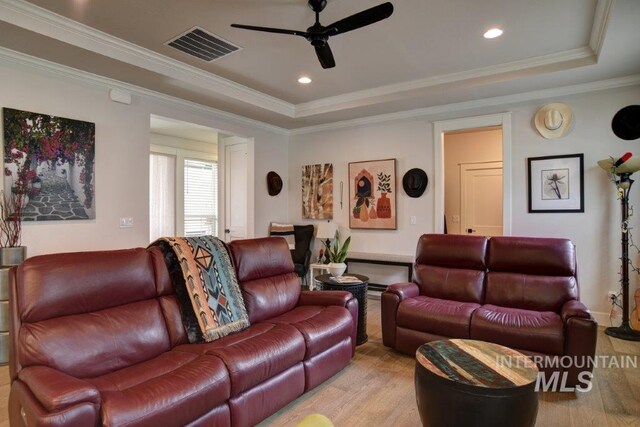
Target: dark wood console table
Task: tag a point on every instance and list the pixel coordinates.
(382, 259)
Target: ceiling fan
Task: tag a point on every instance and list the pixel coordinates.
(318, 35)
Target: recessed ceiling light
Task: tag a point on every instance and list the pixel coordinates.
(493, 33)
(304, 80)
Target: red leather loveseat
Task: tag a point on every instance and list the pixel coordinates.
(97, 339)
(515, 291)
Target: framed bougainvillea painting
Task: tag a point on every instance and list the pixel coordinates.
(49, 163)
(372, 194)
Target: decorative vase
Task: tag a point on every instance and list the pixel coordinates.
(337, 268)
(9, 257)
(383, 207)
(364, 214)
(356, 212)
(372, 213)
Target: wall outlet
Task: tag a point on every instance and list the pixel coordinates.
(455, 218)
(126, 222)
(412, 219)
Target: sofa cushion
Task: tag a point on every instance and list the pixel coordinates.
(531, 273)
(451, 267)
(529, 292)
(92, 344)
(169, 390)
(532, 255)
(256, 354)
(450, 283)
(321, 327)
(265, 271)
(538, 331)
(57, 285)
(452, 251)
(436, 316)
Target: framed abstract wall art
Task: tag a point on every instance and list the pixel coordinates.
(556, 183)
(372, 195)
(317, 191)
(51, 161)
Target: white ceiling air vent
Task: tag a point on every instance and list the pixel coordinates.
(202, 44)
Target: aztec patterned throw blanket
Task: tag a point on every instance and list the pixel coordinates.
(205, 282)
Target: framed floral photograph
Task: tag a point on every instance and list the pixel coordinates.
(49, 163)
(372, 194)
(556, 183)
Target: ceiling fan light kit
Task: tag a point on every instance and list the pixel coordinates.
(318, 35)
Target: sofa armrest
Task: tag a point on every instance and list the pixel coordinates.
(325, 298)
(339, 298)
(404, 290)
(574, 308)
(56, 390)
(389, 303)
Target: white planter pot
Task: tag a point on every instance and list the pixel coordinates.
(337, 268)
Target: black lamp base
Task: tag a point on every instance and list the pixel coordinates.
(623, 332)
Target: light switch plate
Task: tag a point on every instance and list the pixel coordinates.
(126, 222)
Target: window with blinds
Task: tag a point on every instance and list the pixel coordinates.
(200, 198)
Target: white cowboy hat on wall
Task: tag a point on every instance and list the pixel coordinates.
(554, 120)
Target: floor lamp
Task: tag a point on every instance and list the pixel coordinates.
(623, 168)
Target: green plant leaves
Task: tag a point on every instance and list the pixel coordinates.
(337, 252)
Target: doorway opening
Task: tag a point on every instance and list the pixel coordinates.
(473, 181)
(187, 179)
(500, 122)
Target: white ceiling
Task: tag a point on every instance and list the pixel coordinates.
(427, 54)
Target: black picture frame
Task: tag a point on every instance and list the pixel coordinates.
(556, 184)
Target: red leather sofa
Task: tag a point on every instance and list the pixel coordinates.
(97, 339)
(515, 291)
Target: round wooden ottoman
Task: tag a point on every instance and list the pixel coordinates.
(474, 383)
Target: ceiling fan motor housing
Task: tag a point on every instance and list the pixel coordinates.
(317, 5)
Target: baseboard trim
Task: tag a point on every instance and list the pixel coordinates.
(604, 320)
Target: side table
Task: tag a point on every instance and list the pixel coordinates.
(358, 290)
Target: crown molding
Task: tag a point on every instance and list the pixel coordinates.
(22, 60)
(42, 21)
(554, 61)
(600, 23)
(475, 104)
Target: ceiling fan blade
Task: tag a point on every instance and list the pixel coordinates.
(271, 30)
(361, 19)
(325, 56)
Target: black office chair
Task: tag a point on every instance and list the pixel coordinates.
(301, 255)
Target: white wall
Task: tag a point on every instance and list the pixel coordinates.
(184, 143)
(595, 232)
(122, 156)
(465, 147)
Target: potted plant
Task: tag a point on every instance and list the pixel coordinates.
(11, 252)
(337, 253)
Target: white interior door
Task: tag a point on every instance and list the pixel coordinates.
(235, 168)
(481, 198)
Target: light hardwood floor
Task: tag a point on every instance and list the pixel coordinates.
(377, 389)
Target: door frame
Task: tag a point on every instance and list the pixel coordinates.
(465, 167)
(443, 126)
